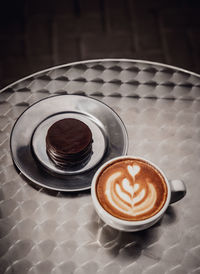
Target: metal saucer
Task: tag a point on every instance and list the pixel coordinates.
(28, 147)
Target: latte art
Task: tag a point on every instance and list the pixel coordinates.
(131, 190)
(130, 197)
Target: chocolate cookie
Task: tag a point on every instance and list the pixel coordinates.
(69, 142)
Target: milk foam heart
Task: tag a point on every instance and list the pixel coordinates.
(131, 189)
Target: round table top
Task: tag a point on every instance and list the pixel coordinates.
(46, 231)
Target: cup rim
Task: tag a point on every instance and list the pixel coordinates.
(119, 221)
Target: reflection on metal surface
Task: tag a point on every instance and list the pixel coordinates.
(56, 232)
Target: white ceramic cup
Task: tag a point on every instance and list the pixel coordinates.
(176, 190)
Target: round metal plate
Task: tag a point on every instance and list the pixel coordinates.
(28, 140)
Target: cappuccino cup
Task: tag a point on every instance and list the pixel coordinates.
(132, 194)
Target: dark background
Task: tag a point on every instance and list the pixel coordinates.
(38, 34)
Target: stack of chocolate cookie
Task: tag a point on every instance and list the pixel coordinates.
(69, 143)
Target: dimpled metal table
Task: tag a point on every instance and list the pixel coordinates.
(46, 231)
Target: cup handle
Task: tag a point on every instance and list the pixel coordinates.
(178, 190)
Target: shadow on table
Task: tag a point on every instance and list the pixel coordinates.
(54, 192)
(130, 245)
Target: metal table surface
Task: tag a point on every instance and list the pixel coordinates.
(43, 231)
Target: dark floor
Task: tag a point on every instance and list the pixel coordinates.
(37, 34)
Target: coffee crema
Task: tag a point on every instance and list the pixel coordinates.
(131, 189)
